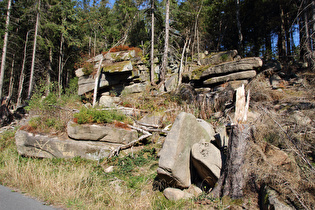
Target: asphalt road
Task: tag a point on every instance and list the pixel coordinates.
(10, 200)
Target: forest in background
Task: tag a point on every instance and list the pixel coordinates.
(44, 41)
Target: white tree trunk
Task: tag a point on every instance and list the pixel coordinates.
(60, 65)
(5, 45)
(30, 88)
(97, 80)
(181, 64)
(11, 78)
(22, 74)
(152, 44)
(167, 29)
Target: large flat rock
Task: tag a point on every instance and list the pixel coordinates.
(233, 66)
(42, 146)
(220, 57)
(174, 163)
(104, 133)
(230, 77)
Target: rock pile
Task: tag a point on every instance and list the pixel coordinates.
(189, 156)
(120, 71)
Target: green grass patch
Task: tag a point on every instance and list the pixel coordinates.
(94, 115)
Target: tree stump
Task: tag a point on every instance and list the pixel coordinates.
(231, 182)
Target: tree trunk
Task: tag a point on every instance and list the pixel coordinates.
(5, 46)
(167, 29)
(281, 38)
(97, 80)
(22, 74)
(152, 44)
(307, 44)
(94, 52)
(181, 64)
(49, 70)
(232, 181)
(60, 67)
(239, 27)
(30, 88)
(288, 37)
(11, 78)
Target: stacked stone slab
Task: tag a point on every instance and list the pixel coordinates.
(224, 67)
(119, 70)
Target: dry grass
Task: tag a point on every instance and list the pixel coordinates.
(82, 184)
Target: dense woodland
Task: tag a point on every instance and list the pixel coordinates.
(44, 41)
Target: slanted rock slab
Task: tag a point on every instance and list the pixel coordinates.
(174, 163)
(206, 159)
(42, 146)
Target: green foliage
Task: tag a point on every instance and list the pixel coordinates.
(88, 68)
(98, 116)
(47, 108)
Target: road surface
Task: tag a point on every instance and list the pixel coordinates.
(10, 200)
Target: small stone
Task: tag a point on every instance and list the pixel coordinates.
(109, 169)
(174, 194)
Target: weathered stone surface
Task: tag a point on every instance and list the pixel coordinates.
(96, 58)
(208, 127)
(174, 163)
(100, 133)
(237, 83)
(79, 72)
(234, 66)
(230, 77)
(194, 190)
(35, 145)
(270, 200)
(120, 56)
(221, 138)
(108, 101)
(174, 194)
(135, 88)
(275, 81)
(206, 159)
(155, 119)
(219, 57)
(119, 67)
(87, 83)
(171, 83)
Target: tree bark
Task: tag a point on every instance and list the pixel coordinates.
(11, 78)
(239, 27)
(97, 80)
(231, 183)
(5, 46)
(281, 39)
(165, 54)
(49, 70)
(60, 67)
(22, 74)
(181, 63)
(30, 88)
(152, 44)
